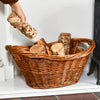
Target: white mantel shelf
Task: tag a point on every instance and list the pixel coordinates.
(18, 88)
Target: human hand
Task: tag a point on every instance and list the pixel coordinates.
(16, 8)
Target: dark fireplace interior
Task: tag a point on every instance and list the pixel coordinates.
(95, 61)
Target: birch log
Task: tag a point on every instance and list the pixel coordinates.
(65, 39)
(26, 29)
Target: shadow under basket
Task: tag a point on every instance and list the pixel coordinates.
(44, 71)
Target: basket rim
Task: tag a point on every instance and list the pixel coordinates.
(84, 53)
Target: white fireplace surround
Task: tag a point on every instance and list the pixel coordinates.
(50, 18)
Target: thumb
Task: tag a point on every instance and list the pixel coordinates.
(23, 20)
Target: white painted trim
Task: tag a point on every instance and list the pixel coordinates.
(30, 94)
(2, 41)
(9, 68)
(2, 74)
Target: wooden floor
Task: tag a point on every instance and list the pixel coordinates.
(89, 96)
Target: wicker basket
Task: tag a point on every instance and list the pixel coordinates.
(49, 71)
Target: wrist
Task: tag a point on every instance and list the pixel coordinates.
(14, 4)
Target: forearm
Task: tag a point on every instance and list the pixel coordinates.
(8, 1)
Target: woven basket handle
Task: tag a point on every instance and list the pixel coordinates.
(76, 41)
(83, 40)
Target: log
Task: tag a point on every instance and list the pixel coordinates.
(65, 38)
(43, 42)
(37, 48)
(26, 29)
(58, 49)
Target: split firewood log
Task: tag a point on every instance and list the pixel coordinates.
(58, 49)
(43, 42)
(37, 48)
(65, 39)
(26, 29)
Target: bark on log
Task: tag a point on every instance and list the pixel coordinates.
(26, 29)
(65, 39)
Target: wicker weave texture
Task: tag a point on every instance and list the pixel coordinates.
(49, 71)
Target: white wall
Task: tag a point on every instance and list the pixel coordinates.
(51, 17)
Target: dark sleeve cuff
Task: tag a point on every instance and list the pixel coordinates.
(9, 1)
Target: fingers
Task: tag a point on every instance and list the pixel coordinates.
(18, 10)
(23, 20)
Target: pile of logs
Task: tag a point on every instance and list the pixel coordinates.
(62, 47)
